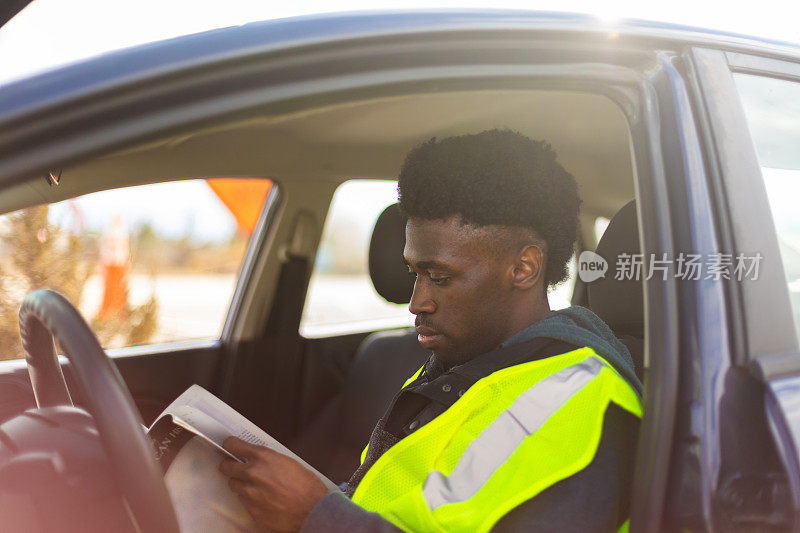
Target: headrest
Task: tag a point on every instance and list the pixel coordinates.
(387, 268)
(619, 302)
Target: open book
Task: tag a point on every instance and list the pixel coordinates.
(187, 438)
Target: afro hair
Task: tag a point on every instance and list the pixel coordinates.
(496, 177)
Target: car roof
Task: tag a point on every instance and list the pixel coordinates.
(120, 67)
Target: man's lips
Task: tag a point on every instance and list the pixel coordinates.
(426, 336)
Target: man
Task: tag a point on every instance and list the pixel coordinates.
(522, 418)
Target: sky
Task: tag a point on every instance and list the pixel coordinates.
(174, 210)
(53, 32)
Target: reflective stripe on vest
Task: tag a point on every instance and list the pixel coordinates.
(501, 438)
(513, 434)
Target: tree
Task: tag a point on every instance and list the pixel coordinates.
(37, 254)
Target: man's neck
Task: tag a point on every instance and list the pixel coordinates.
(436, 366)
(527, 316)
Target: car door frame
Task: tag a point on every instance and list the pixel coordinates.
(755, 388)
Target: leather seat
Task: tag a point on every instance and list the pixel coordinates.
(620, 302)
(335, 438)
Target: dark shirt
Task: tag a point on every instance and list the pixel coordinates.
(594, 499)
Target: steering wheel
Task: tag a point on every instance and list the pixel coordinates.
(45, 315)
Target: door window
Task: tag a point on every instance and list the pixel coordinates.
(772, 108)
(341, 298)
(148, 264)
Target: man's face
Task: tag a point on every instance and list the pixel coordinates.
(462, 289)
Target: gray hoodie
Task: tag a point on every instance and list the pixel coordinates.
(581, 327)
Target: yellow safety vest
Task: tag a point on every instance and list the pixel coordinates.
(512, 435)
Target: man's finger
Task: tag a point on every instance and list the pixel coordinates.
(248, 451)
(233, 469)
(246, 492)
(240, 448)
(238, 487)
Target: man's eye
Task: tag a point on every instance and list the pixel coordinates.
(439, 281)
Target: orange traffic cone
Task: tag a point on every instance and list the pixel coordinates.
(115, 266)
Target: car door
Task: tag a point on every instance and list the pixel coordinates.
(750, 119)
(153, 268)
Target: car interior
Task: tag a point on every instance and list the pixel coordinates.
(321, 396)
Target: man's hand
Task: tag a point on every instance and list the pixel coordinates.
(276, 490)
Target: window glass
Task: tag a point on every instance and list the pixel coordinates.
(147, 264)
(600, 226)
(560, 296)
(341, 298)
(772, 108)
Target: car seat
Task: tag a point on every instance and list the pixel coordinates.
(334, 439)
(619, 302)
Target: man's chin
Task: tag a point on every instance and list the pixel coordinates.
(431, 342)
(452, 355)
(444, 350)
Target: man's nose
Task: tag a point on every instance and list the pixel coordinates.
(421, 301)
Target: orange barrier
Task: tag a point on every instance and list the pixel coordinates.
(244, 198)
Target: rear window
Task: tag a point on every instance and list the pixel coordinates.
(341, 298)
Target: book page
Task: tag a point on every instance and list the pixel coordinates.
(200, 494)
(199, 491)
(204, 414)
(202, 425)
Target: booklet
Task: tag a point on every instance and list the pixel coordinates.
(187, 438)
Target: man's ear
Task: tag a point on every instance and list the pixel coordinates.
(528, 269)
